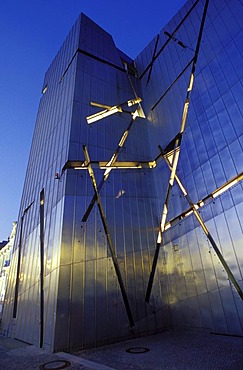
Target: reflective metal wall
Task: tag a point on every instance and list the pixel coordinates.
(193, 282)
(96, 271)
(94, 310)
(49, 150)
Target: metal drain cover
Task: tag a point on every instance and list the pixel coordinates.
(137, 350)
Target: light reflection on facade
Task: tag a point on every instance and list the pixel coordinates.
(84, 300)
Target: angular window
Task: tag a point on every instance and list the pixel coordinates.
(44, 90)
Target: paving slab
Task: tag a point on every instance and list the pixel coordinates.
(17, 355)
(171, 349)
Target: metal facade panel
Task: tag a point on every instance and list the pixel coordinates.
(206, 311)
(83, 301)
(210, 155)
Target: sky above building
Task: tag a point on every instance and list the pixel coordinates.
(32, 32)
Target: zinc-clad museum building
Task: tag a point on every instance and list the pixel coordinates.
(131, 216)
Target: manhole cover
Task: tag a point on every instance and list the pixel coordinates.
(137, 350)
(58, 364)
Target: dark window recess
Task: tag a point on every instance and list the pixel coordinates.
(130, 68)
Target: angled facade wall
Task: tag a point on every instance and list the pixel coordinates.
(83, 305)
(69, 294)
(194, 283)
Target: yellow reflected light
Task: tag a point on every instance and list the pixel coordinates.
(104, 113)
(134, 101)
(225, 187)
(108, 111)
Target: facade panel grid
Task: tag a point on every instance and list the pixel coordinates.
(84, 303)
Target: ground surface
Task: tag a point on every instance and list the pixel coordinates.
(170, 350)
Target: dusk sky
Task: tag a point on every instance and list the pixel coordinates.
(32, 32)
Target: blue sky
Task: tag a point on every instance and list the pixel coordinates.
(32, 32)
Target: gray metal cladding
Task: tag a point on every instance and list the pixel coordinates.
(193, 280)
(84, 305)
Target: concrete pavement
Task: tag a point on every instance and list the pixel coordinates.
(172, 349)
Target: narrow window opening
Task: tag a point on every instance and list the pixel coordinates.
(44, 90)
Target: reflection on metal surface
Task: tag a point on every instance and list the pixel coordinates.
(176, 154)
(168, 40)
(205, 200)
(179, 42)
(109, 241)
(108, 168)
(84, 306)
(18, 275)
(120, 193)
(194, 209)
(92, 56)
(172, 84)
(42, 236)
(138, 113)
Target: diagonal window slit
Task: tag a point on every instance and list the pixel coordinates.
(168, 40)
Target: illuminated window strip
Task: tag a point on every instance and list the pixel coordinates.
(194, 209)
(107, 172)
(109, 241)
(177, 144)
(78, 165)
(138, 113)
(227, 185)
(126, 165)
(110, 110)
(82, 165)
(94, 104)
(173, 83)
(44, 90)
(222, 189)
(104, 113)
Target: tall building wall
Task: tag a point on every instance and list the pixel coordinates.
(84, 304)
(193, 281)
(49, 150)
(94, 312)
